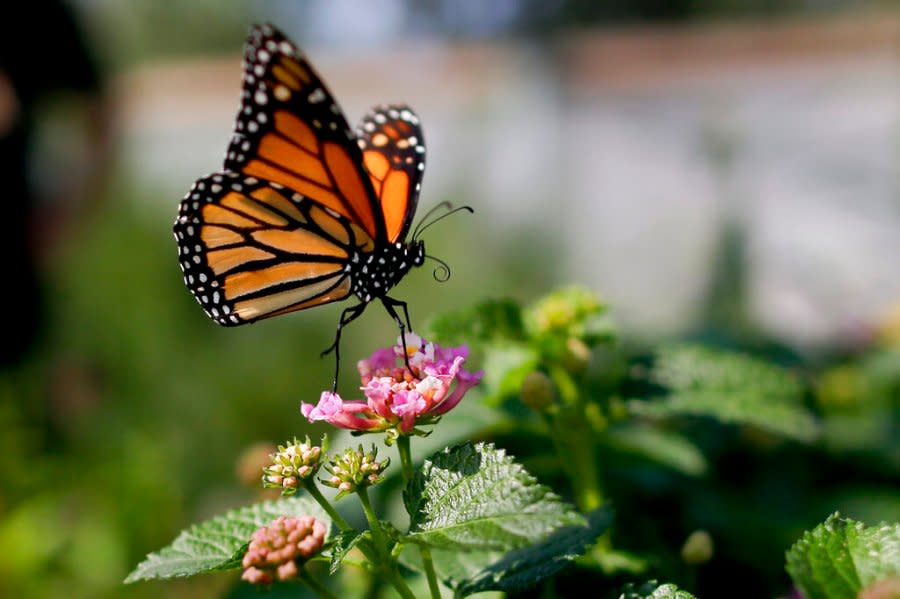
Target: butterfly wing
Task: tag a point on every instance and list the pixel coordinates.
(290, 130)
(251, 248)
(393, 150)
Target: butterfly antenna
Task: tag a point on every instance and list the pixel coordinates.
(442, 205)
(441, 274)
(424, 225)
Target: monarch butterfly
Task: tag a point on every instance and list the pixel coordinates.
(305, 211)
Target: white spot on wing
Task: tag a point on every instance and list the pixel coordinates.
(317, 96)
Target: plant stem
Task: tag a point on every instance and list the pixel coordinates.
(575, 450)
(313, 490)
(427, 562)
(386, 563)
(374, 524)
(349, 561)
(405, 458)
(429, 572)
(568, 390)
(316, 586)
(365, 546)
(574, 440)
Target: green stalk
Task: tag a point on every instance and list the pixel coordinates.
(316, 586)
(429, 572)
(376, 555)
(427, 562)
(573, 438)
(386, 563)
(310, 486)
(374, 524)
(405, 458)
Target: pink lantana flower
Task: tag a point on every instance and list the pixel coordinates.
(400, 397)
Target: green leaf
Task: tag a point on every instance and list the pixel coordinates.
(841, 556)
(505, 367)
(663, 447)
(653, 590)
(475, 497)
(876, 552)
(694, 367)
(342, 543)
(523, 568)
(491, 320)
(220, 543)
(731, 388)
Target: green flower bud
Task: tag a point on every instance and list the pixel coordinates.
(563, 311)
(577, 355)
(842, 388)
(291, 464)
(698, 548)
(354, 469)
(565, 325)
(538, 391)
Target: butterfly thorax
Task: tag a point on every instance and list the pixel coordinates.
(375, 273)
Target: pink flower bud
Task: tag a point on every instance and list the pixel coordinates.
(256, 576)
(277, 550)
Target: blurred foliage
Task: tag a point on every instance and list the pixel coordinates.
(696, 447)
(126, 33)
(757, 393)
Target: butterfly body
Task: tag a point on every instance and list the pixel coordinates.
(306, 211)
(375, 273)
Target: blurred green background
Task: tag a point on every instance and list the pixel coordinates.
(722, 169)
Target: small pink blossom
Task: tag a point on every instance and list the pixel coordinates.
(399, 396)
(354, 415)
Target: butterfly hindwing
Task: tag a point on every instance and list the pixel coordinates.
(251, 248)
(291, 131)
(393, 150)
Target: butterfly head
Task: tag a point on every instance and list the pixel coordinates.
(416, 249)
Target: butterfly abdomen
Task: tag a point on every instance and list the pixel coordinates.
(375, 273)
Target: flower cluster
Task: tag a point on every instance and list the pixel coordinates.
(402, 391)
(292, 463)
(354, 469)
(274, 550)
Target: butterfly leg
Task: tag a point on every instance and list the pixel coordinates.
(406, 316)
(389, 305)
(347, 316)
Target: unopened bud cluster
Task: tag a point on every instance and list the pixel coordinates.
(291, 464)
(537, 391)
(698, 548)
(275, 550)
(354, 469)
